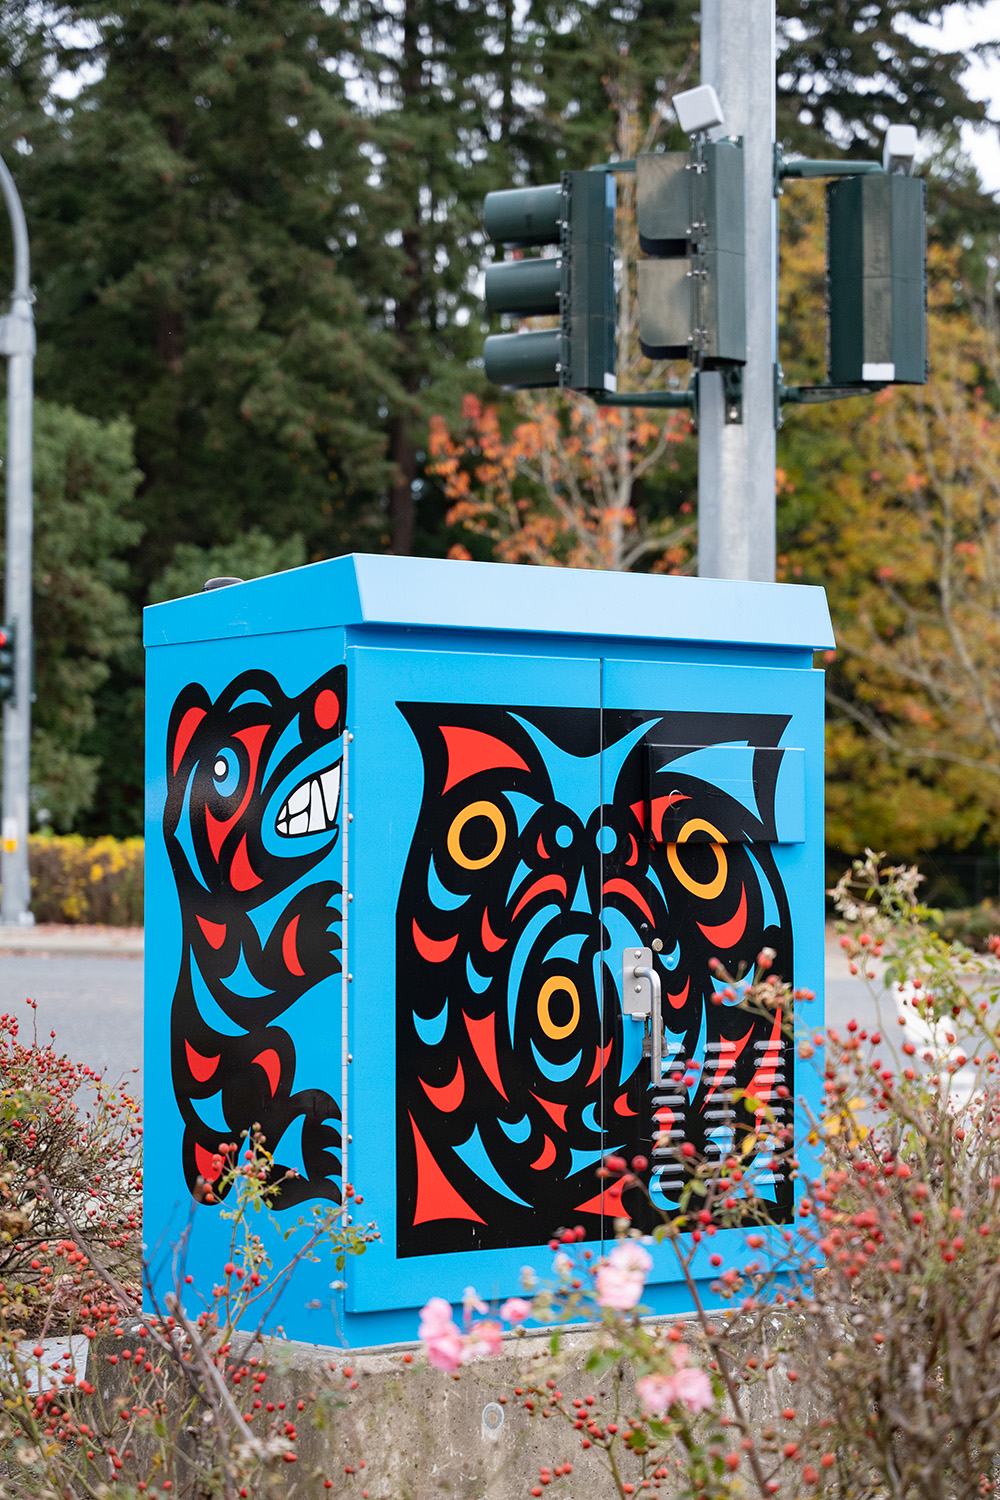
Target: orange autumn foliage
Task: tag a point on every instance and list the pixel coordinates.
(566, 482)
(893, 504)
(558, 490)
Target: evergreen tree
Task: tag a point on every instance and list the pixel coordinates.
(84, 482)
(252, 555)
(187, 219)
(847, 67)
(460, 97)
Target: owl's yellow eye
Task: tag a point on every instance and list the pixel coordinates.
(558, 985)
(707, 890)
(483, 813)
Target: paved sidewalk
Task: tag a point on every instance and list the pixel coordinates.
(75, 939)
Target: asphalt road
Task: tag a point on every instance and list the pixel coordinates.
(94, 1006)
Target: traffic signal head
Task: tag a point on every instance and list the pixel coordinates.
(692, 291)
(577, 285)
(876, 282)
(8, 641)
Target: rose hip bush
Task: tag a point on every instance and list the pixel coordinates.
(63, 1121)
(855, 1353)
(172, 1406)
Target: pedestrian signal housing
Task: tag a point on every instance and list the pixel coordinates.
(876, 280)
(692, 294)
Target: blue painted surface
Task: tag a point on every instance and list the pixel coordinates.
(378, 1279)
(444, 595)
(178, 1237)
(443, 632)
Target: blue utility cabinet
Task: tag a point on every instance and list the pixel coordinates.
(409, 823)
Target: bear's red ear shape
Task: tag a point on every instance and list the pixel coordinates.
(326, 709)
(190, 707)
(325, 705)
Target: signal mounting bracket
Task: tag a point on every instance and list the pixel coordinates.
(732, 394)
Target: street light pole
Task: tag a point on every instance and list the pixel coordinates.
(17, 342)
(736, 459)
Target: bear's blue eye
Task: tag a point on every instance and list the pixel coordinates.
(226, 772)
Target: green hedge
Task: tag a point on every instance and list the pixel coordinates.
(971, 925)
(74, 879)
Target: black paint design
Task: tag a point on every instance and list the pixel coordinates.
(241, 772)
(522, 889)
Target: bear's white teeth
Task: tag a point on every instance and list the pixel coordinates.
(312, 806)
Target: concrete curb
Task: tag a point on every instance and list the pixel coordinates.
(89, 942)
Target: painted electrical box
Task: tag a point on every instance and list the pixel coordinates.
(410, 824)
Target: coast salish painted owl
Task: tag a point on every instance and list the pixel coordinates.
(538, 859)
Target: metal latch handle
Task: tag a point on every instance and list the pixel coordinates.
(646, 971)
(640, 1000)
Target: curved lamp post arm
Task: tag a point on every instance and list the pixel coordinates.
(19, 234)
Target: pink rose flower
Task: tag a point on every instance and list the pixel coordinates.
(693, 1387)
(444, 1350)
(483, 1341)
(515, 1310)
(655, 1392)
(687, 1384)
(440, 1336)
(446, 1347)
(435, 1316)
(621, 1278)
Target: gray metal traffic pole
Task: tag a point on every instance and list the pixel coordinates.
(17, 342)
(736, 460)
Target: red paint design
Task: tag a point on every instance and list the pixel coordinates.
(491, 942)
(557, 1111)
(761, 1085)
(600, 1061)
(658, 807)
(448, 1096)
(621, 1106)
(185, 730)
(201, 1067)
(436, 1198)
(547, 883)
(216, 832)
(728, 1054)
(435, 952)
(215, 932)
(607, 1201)
(729, 933)
(471, 751)
(664, 1119)
(543, 853)
(252, 738)
(241, 874)
(326, 708)
(289, 952)
(633, 858)
(483, 1036)
(547, 1157)
(677, 1001)
(627, 889)
(271, 1063)
(207, 1167)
